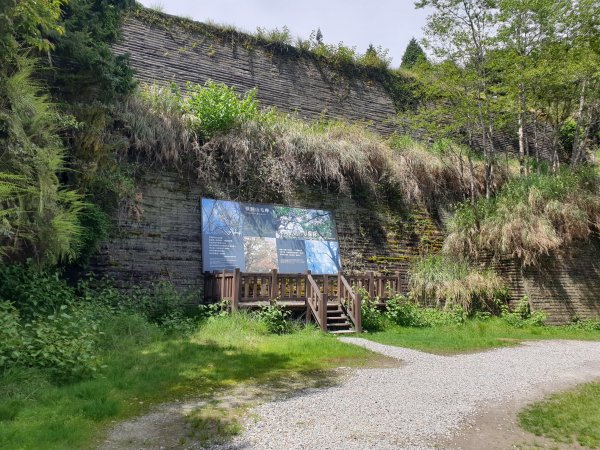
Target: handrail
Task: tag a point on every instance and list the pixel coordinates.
(315, 300)
(352, 304)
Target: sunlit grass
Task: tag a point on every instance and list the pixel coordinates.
(143, 367)
(473, 335)
(573, 416)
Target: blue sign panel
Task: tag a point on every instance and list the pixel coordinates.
(257, 238)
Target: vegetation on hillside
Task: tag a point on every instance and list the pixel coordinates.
(530, 216)
(266, 155)
(529, 68)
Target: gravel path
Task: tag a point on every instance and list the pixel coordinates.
(420, 404)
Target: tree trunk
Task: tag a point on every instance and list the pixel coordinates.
(472, 183)
(536, 144)
(522, 139)
(577, 142)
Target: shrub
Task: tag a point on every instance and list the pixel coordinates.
(96, 225)
(587, 325)
(63, 342)
(405, 313)
(10, 334)
(401, 311)
(447, 283)
(276, 318)
(375, 58)
(279, 37)
(216, 108)
(372, 318)
(34, 291)
(522, 316)
(207, 311)
(157, 302)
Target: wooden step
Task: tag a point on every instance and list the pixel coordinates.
(344, 324)
(337, 319)
(350, 331)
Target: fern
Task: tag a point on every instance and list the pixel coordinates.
(39, 218)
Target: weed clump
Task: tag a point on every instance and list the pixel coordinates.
(530, 217)
(440, 281)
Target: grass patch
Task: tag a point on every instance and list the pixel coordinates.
(572, 416)
(473, 335)
(143, 366)
(213, 424)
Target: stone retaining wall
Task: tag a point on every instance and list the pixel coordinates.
(567, 285)
(159, 232)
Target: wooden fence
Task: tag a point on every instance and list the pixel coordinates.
(313, 292)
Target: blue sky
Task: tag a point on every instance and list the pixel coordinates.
(389, 23)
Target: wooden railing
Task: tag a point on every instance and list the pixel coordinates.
(315, 292)
(382, 287)
(351, 301)
(316, 302)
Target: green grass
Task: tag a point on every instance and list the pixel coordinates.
(144, 367)
(567, 417)
(473, 335)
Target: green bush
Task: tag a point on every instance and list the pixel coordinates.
(49, 325)
(206, 311)
(276, 318)
(522, 316)
(64, 342)
(405, 313)
(586, 325)
(372, 318)
(96, 225)
(34, 292)
(216, 108)
(10, 334)
(158, 303)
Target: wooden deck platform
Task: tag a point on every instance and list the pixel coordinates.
(333, 301)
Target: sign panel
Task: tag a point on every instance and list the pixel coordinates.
(257, 238)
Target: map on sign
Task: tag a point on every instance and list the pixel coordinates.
(257, 238)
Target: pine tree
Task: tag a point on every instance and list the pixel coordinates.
(319, 36)
(412, 55)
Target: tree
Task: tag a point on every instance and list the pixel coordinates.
(86, 68)
(460, 34)
(525, 28)
(28, 23)
(412, 55)
(583, 34)
(319, 36)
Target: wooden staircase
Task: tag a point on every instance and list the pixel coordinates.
(338, 321)
(336, 314)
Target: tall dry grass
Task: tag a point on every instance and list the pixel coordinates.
(268, 155)
(530, 217)
(451, 282)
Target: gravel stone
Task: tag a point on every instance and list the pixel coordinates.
(415, 406)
